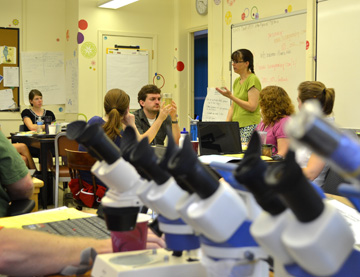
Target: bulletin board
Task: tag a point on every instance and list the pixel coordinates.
(338, 56)
(279, 47)
(9, 67)
(127, 69)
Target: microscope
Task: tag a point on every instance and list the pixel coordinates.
(221, 217)
(121, 204)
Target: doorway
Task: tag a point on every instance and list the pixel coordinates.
(200, 71)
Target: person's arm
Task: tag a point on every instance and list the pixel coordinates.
(27, 252)
(29, 124)
(22, 251)
(283, 146)
(314, 167)
(174, 123)
(154, 129)
(129, 120)
(230, 112)
(21, 189)
(250, 105)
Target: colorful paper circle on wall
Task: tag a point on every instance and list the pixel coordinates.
(254, 12)
(228, 18)
(83, 24)
(88, 50)
(156, 80)
(15, 22)
(58, 39)
(61, 109)
(180, 66)
(307, 45)
(80, 38)
(230, 2)
(67, 35)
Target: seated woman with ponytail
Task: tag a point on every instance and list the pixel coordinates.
(314, 167)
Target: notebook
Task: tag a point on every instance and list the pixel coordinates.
(219, 138)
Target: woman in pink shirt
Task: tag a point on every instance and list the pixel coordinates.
(276, 108)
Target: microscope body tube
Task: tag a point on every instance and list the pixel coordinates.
(322, 245)
(165, 197)
(182, 206)
(211, 215)
(122, 180)
(267, 231)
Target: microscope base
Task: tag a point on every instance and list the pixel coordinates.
(145, 263)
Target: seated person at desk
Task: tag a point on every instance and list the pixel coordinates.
(275, 107)
(27, 252)
(30, 116)
(153, 117)
(314, 167)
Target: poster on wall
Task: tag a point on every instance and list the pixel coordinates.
(128, 70)
(7, 55)
(216, 106)
(45, 72)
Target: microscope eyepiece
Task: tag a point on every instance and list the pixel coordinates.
(185, 165)
(287, 179)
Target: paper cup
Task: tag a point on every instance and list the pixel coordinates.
(52, 129)
(131, 240)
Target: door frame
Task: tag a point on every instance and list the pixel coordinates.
(102, 54)
(191, 77)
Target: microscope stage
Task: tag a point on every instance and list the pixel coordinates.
(146, 263)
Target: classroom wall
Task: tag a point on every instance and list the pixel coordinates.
(44, 25)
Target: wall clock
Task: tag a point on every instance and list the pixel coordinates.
(202, 6)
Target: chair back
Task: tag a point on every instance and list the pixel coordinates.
(60, 170)
(78, 160)
(332, 181)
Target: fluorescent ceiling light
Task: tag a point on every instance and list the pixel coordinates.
(115, 4)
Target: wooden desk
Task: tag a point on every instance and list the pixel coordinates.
(45, 144)
(37, 185)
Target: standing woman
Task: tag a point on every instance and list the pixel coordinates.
(315, 168)
(30, 116)
(245, 100)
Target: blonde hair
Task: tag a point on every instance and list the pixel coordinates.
(317, 90)
(116, 104)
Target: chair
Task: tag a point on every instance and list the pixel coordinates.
(60, 170)
(78, 160)
(332, 181)
(22, 128)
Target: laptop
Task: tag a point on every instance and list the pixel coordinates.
(219, 138)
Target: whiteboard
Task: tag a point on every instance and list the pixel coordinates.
(127, 70)
(338, 56)
(45, 72)
(279, 48)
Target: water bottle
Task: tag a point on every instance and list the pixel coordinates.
(183, 134)
(39, 124)
(194, 129)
